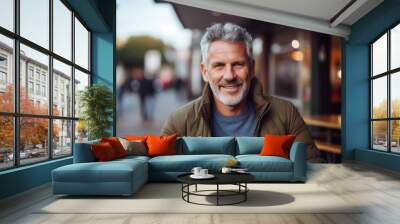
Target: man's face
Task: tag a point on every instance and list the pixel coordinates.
(228, 71)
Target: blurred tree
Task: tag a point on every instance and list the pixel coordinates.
(81, 130)
(132, 52)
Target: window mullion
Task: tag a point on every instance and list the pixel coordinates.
(370, 98)
(73, 82)
(389, 95)
(16, 84)
(50, 81)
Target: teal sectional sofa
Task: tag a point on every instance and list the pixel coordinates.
(125, 176)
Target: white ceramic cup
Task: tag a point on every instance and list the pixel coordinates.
(196, 170)
(203, 172)
(226, 170)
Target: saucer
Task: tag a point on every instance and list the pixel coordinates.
(208, 176)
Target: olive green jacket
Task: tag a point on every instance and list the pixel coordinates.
(273, 116)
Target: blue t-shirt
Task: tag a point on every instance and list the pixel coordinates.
(243, 124)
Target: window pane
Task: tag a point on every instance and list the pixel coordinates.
(35, 21)
(81, 81)
(33, 139)
(395, 94)
(395, 47)
(81, 131)
(379, 55)
(379, 97)
(395, 136)
(6, 142)
(379, 135)
(6, 74)
(62, 138)
(62, 89)
(34, 72)
(81, 45)
(7, 14)
(62, 29)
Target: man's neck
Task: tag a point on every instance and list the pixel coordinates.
(230, 110)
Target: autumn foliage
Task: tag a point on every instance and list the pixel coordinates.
(33, 131)
(380, 127)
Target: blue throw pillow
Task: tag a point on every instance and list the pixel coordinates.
(249, 145)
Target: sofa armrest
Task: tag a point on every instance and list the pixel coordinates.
(83, 152)
(299, 158)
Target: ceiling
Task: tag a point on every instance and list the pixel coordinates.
(333, 17)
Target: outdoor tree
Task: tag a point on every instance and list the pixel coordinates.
(33, 131)
(132, 52)
(380, 127)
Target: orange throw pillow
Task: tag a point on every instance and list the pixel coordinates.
(103, 152)
(135, 137)
(161, 145)
(116, 145)
(277, 145)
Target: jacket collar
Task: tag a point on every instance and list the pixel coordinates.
(260, 102)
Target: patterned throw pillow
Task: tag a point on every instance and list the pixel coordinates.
(134, 147)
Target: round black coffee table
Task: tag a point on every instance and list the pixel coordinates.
(238, 179)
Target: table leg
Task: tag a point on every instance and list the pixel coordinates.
(217, 194)
(245, 191)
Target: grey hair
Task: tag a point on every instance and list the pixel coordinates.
(228, 32)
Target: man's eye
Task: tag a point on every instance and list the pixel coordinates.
(239, 65)
(218, 66)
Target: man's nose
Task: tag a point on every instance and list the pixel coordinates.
(229, 73)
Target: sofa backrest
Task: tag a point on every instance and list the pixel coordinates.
(249, 145)
(83, 152)
(190, 146)
(206, 145)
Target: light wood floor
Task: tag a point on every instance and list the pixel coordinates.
(378, 188)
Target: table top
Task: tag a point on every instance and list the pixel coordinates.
(220, 178)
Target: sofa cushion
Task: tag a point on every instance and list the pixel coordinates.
(257, 163)
(249, 145)
(185, 163)
(206, 145)
(132, 158)
(111, 171)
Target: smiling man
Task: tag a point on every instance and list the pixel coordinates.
(232, 102)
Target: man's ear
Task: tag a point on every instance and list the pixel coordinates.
(203, 70)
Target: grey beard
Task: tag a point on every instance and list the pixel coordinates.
(225, 100)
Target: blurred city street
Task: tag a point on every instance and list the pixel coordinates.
(129, 119)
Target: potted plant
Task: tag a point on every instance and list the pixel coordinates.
(96, 103)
